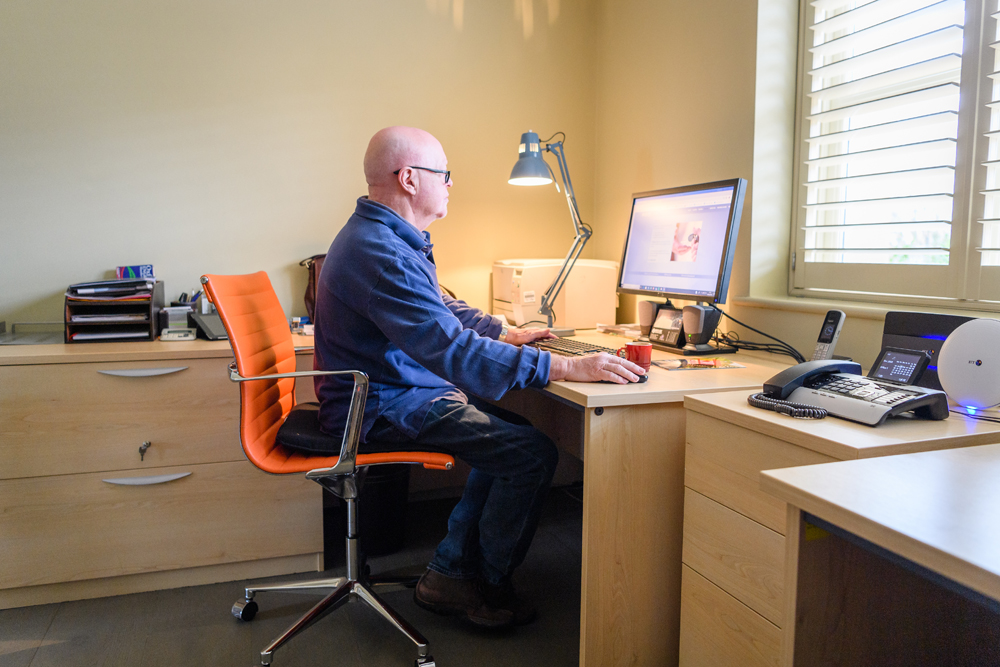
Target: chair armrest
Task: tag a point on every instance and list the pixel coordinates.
(235, 376)
(347, 461)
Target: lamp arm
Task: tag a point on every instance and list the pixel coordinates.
(549, 298)
(582, 236)
(556, 148)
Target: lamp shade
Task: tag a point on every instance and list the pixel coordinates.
(530, 168)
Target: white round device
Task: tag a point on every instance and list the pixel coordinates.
(968, 365)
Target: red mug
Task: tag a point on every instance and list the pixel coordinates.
(637, 353)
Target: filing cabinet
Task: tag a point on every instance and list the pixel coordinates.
(122, 471)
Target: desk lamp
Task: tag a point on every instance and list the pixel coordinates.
(531, 169)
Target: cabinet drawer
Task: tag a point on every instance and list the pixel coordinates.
(76, 527)
(744, 558)
(717, 630)
(72, 418)
(723, 462)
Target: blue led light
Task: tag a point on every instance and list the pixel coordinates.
(935, 337)
(971, 410)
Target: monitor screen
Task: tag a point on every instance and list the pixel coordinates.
(680, 241)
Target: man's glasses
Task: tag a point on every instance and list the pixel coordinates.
(447, 174)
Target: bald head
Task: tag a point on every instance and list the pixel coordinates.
(394, 148)
(416, 193)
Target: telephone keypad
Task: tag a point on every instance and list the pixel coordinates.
(859, 388)
(822, 352)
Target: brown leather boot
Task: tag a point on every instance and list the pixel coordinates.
(459, 597)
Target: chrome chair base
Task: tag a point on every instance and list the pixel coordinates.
(356, 586)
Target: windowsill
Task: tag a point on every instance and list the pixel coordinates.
(852, 309)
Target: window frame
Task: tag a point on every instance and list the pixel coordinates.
(963, 283)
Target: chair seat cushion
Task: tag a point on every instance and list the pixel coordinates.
(301, 442)
(301, 431)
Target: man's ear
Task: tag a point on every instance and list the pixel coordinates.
(406, 181)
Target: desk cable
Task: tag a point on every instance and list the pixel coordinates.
(982, 418)
(733, 340)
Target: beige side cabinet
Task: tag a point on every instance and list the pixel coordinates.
(121, 471)
(733, 574)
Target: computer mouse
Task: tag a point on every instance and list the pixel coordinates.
(642, 378)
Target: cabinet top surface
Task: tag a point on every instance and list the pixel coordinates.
(19, 355)
(662, 387)
(843, 439)
(936, 508)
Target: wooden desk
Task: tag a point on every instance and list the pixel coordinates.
(905, 569)
(67, 425)
(631, 439)
(734, 574)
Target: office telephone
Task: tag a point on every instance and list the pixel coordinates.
(816, 388)
(208, 325)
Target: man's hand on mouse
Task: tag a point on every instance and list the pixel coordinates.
(594, 368)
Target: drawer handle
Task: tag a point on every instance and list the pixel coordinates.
(143, 372)
(146, 481)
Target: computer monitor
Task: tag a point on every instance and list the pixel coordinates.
(680, 241)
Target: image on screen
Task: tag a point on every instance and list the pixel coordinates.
(680, 241)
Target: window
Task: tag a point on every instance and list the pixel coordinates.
(898, 162)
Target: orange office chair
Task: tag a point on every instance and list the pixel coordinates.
(270, 421)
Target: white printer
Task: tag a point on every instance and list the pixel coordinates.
(587, 298)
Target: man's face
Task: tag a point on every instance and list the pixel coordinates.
(431, 201)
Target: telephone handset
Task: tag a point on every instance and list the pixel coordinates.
(780, 387)
(828, 334)
(784, 383)
(816, 388)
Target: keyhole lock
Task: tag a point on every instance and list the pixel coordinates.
(142, 449)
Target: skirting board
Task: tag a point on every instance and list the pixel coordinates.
(153, 581)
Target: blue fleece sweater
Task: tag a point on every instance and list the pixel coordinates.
(379, 309)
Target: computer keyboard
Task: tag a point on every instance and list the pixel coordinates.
(570, 348)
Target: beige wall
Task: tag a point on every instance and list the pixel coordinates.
(689, 92)
(675, 103)
(227, 137)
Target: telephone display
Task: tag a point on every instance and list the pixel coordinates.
(209, 326)
(817, 388)
(898, 365)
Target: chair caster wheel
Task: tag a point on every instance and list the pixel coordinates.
(245, 610)
(426, 661)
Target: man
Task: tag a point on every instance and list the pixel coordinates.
(379, 309)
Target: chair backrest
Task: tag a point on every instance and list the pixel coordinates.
(262, 345)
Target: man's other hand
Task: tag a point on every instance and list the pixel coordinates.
(594, 368)
(521, 336)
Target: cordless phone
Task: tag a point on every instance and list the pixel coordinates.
(828, 335)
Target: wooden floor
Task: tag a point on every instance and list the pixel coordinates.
(193, 627)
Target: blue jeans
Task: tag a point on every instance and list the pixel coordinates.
(491, 527)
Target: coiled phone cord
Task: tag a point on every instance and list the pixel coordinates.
(797, 410)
